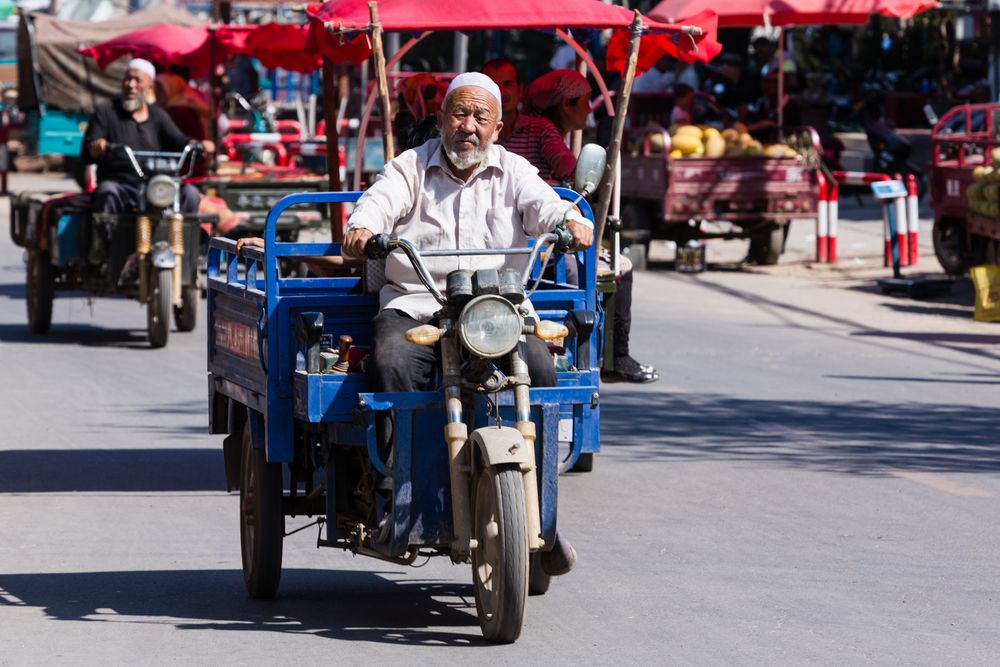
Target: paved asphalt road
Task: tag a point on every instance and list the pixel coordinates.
(815, 480)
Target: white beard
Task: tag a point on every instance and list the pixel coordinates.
(131, 105)
(470, 159)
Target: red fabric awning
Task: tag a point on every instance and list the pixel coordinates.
(289, 47)
(163, 43)
(748, 13)
(420, 16)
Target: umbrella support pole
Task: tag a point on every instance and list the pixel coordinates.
(331, 98)
(378, 56)
(617, 129)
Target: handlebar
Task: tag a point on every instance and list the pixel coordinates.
(189, 150)
(380, 245)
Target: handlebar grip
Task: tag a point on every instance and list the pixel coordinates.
(377, 246)
(564, 240)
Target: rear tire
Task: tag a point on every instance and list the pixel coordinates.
(585, 463)
(262, 523)
(949, 246)
(39, 291)
(500, 561)
(186, 317)
(538, 581)
(766, 247)
(158, 309)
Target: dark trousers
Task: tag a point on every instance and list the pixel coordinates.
(623, 304)
(395, 364)
(623, 314)
(120, 196)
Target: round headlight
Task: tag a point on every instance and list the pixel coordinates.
(160, 191)
(490, 326)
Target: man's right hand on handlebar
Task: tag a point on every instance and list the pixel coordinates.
(98, 147)
(355, 241)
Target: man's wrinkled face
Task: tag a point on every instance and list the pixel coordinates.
(135, 87)
(505, 76)
(469, 125)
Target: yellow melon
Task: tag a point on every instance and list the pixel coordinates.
(689, 130)
(715, 146)
(686, 143)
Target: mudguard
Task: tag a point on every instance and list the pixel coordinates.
(164, 258)
(499, 446)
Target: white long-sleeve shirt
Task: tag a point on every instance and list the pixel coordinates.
(418, 198)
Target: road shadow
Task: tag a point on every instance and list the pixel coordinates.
(12, 291)
(111, 470)
(863, 437)
(782, 311)
(333, 604)
(85, 335)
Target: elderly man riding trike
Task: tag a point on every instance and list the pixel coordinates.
(435, 418)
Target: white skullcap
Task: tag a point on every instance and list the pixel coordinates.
(143, 66)
(480, 81)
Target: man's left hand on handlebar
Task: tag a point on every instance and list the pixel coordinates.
(583, 235)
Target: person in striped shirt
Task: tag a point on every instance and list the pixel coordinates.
(534, 138)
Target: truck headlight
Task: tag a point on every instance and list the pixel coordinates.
(490, 326)
(160, 191)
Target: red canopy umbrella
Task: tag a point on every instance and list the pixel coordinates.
(164, 43)
(289, 47)
(749, 13)
(421, 16)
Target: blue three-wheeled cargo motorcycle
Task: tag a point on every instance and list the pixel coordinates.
(472, 471)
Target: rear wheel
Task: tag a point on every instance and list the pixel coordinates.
(40, 291)
(949, 246)
(158, 309)
(186, 316)
(766, 247)
(585, 463)
(538, 581)
(500, 560)
(262, 523)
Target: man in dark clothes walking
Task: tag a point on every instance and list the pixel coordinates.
(130, 120)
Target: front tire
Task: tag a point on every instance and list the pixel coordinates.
(158, 309)
(186, 317)
(39, 292)
(500, 561)
(262, 523)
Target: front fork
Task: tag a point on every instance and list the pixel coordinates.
(144, 246)
(456, 434)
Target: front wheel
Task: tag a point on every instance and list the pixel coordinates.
(158, 309)
(500, 560)
(262, 522)
(40, 291)
(186, 317)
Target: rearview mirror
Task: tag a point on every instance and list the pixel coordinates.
(590, 168)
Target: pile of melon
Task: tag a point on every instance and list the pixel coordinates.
(687, 141)
(983, 195)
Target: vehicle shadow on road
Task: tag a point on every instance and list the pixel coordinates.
(12, 291)
(862, 437)
(85, 335)
(111, 470)
(335, 604)
(784, 312)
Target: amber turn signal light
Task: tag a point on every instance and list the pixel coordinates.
(425, 334)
